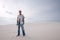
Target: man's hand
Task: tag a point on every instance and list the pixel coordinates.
(17, 24)
(23, 23)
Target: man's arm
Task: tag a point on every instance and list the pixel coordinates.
(23, 19)
(17, 20)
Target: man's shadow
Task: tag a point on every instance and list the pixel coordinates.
(21, 38)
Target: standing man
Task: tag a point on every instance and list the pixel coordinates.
(20, 23)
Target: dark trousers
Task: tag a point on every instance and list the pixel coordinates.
(21, 26)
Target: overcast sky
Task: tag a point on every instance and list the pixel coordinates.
(33, 10)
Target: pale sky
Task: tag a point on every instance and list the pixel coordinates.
(33, 10)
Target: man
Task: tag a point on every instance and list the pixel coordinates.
(20, 22)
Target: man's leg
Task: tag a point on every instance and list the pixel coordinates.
(23, 31)
(18, 29)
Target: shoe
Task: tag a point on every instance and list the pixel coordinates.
(18, 35)
(23, 35)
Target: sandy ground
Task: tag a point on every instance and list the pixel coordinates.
(34, 31)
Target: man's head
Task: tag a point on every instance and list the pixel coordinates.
(20, 12)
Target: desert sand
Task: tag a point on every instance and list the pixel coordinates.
(34, 31)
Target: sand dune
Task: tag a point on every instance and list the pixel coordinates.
(34, 31)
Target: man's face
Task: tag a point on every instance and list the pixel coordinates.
(20, 12)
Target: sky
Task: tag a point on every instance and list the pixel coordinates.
(33, 10)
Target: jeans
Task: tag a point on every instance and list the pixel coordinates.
(21, 25)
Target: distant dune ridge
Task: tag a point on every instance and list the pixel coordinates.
(34, 31)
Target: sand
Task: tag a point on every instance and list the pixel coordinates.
(34, 31)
